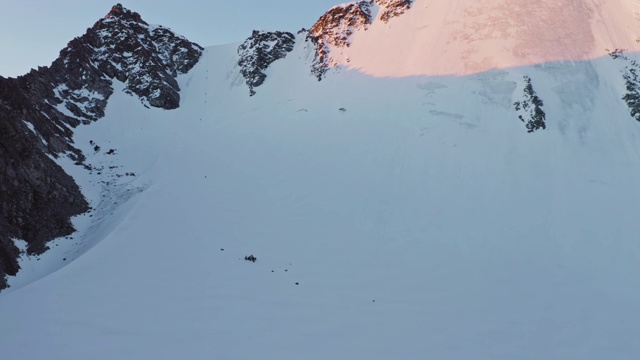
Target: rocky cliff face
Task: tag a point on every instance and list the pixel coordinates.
(392, 8)
(122, 46)
(529, 108)
(39, 110)
(331, 31)
(37, 197)
(334, 28)
(631, 75)
(259, 51)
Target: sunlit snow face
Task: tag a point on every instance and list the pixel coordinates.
(438, 37)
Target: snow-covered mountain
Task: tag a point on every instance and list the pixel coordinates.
(41, 108)
(416, 179)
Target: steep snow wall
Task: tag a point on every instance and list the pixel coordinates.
(439, 37)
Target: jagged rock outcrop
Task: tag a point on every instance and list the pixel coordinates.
(122, 46)
(259, 51)
(632, 97)
(39, 110)
(392, 8)
(37, 197)
(530, 108)
(334, 28)
(631, 75)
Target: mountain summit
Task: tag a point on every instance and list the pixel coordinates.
(41, 108)
(119, 12)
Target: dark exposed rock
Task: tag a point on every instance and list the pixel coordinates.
(531, 105)
(8, 260)
(334, 28)
(259, 51)
(392, 8)
(122, 46)
(39, 110)
(617, 54)
(631, 75)
(37, 197)
(337, 24)
(632, 97)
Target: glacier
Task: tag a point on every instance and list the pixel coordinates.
(393, 214)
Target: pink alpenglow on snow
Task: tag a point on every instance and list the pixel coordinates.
(460, 37)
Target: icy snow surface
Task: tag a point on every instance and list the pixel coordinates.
(441, 37)
(421, 221)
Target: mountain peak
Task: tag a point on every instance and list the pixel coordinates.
(39, 110)
(120, 12)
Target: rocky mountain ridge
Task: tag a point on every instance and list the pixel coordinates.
(259, 51)
(334, 28)
(39, 110)
(331, 30)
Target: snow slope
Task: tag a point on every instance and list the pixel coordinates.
(441, 37)
(420, 221)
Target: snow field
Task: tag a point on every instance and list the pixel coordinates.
(422, 221)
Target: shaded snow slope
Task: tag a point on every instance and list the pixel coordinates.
(391, 219)
(440, 37)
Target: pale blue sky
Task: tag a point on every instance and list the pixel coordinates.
(32, 32)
